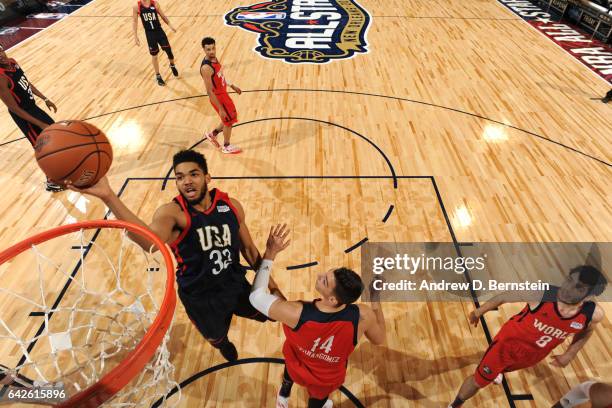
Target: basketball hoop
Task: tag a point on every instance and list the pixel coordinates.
(104, 332)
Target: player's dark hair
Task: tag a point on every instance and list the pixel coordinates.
(207, 41)
(190, 156)
(348, 286)
(592, 277)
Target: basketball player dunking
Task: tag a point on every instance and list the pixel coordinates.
(538, 329)
(18, 95)
(149, 12)
(320, 335)
(216, 87)
(206, 229)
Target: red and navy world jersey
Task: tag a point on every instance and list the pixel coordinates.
(317, 350)
(19, 86)
(543, 328)
(149, 16)
(208, 249)
(218, 80)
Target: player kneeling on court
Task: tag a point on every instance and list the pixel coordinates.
(320, 335)
(528, 337)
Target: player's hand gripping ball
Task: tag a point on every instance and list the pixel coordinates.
(74, 151)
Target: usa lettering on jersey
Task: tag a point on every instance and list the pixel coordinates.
(210, 237)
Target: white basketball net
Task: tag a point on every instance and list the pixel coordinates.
(114, 291)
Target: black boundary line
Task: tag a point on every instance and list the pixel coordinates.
(397, 98)
(389, 211)
(380, 151)
(522, 397)
(303, 266)
(483, 323)
(357, 245)
(11, 141)
(252, 360)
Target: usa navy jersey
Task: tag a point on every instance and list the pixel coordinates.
(208, 249)
(149, 16)
(19, 86)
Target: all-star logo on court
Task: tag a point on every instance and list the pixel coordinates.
(305, 31)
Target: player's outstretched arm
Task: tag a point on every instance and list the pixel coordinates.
(135, 24)
(13, 106)
(270, 305)
(163, 16)
(579, 340)
(163, 223)
(495, 302)
(372, 320)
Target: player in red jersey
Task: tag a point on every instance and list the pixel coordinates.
(320, 335)
(216, 86)
(528, 337)
(600, 395)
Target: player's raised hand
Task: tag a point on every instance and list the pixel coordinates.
(277, 241)
(474, 317)
(101, 189)
(237, 90)
(561, 360)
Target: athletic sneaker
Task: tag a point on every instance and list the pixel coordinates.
(231, 149)
(606, 99)
(229, 352)
(54, 188)
(210, 136)
(282, 402)
(328, 404)
(174, 70)
(160, 80)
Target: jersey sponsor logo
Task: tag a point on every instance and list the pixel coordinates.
(550, 330)
(305, 31)
(487, 370)
(223, 208)
(577, 326)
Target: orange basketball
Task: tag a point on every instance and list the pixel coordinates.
(73, 150)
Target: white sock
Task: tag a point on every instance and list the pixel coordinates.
(577, 395)
(282, 402)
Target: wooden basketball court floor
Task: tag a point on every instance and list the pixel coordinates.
(487, 125)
